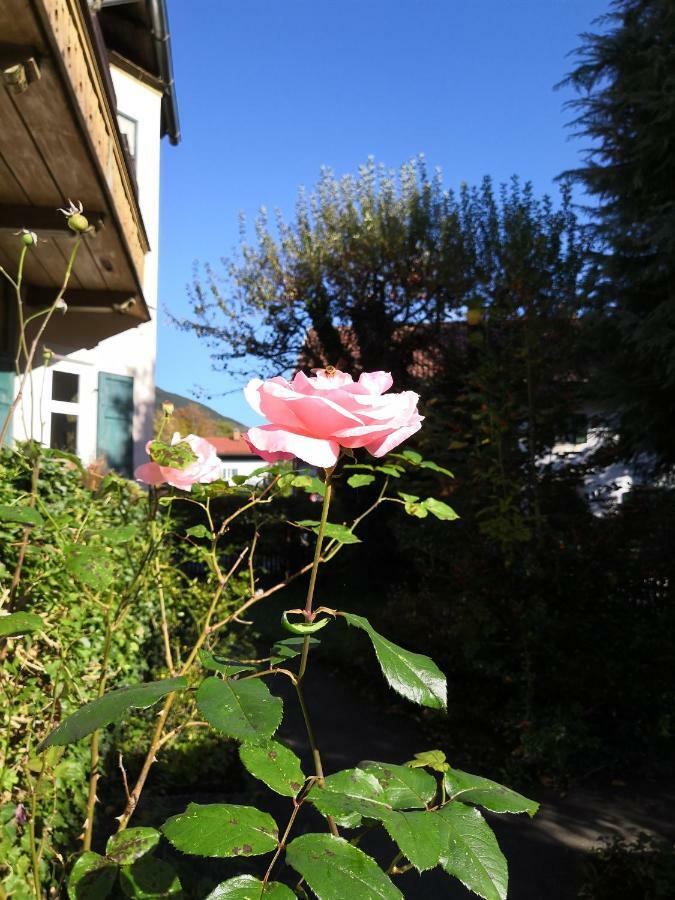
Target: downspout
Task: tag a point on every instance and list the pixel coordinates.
(162, 39)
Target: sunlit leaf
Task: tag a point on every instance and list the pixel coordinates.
(109, 708)
(90, 565)
(277, 766)
(246, 887)
(19, 623)
(418, 835)
(336, 870)
(357, 481)
(240, 709)
(22, 515)
(433, 759)
(489, 794)
(440, 510)
(129, 845)
(403, 788)
(222, 830)
(470, 852)
(412, 675)
(221, 664)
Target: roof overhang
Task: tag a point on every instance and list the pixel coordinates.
(60, 139)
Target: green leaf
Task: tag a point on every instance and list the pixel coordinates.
(335, 869)
(412, 675)
(240, 709)
(403, 788)
(429, 464)
(199, 531)
(150, 879)
(92, 877)
(90, 566)
(22, 515)
(434, 759)
(412, 456)
(470, 851)
(357, 481)
(220, 664)
(19, 623)
(418, 835)
(310, 484)
(393, 470)
(303, 627)
(274, 764)
(174, 456)
(489, 794)
(222, 830)
(340, 533)
(109, 708)
(121, 534)
(130, 845)
(350, 791)
(246, 887)
(289, 648)
(53, 453)
(440, 510)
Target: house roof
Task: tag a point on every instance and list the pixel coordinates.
(229, 448)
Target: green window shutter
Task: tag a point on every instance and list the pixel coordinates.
(115, 421)
(6, 400)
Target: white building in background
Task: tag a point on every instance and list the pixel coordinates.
(236, 456)
(86, 96)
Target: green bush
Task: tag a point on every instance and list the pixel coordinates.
(91, 528)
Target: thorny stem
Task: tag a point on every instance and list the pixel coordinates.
(316, 755)
(156, 741)
(49, 312)
(297, 803)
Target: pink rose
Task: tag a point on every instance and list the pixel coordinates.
(313, 417)
(207, 467)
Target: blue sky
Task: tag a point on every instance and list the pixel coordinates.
(270, 91)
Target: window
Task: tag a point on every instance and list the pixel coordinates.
(65, 387)
(129, 131)
(65, 411)
(229, 472)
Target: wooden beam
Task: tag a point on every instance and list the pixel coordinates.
(41, 218)
(121, 302)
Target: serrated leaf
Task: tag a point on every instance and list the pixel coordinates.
(19, 623)
(470, 851)
(310, 484)
(174, 456)
(240, 709)
(440, 510)
(92, 877)
(335, 869)
(412, 456)
(289, 648)
(246, 887)
(90, 565)
(109, 708)
(150, 879)
(434, 759)
(130, 845)
(221, 664)
(357, 481)
(412, 675)
(222, 830)
(350, 791)
(403, 788)
(21, 515)
(489, 794)
(418, 836)
(277, 766)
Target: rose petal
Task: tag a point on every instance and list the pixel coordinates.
(271, 439)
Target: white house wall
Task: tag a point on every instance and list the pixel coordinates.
(133, 352)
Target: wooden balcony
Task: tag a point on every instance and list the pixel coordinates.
(59, 139)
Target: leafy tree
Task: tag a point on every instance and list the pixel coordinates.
(192, 419)
(626, 108)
